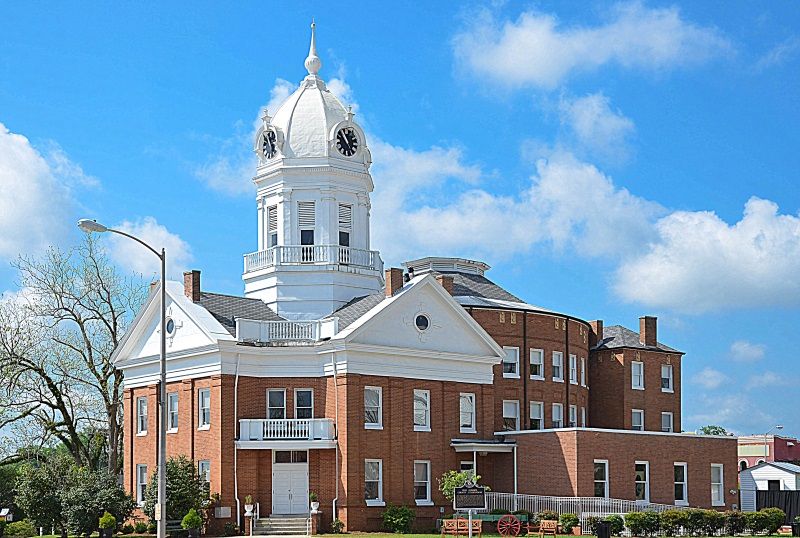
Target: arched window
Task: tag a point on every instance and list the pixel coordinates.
(743, 465)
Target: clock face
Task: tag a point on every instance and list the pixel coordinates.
(268, 144)
(347, 141)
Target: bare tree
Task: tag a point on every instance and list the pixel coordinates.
(57, 334)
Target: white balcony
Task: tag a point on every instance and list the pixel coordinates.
(252, 330)
(287, 434)
(312, 255)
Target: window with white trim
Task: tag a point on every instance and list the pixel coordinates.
(510, 415)
(204, 471)
(204, 408)
(583, 417)
(373, 408)
(467, 466)
(272, 226)
(422, 410)
(537, 364)
(666, 422)
(303, 403)
(373, 482)
(642, 479)
(276, 404)
(511, 362)
(558, 366)
(601, 478)
(717, 485)
(537, 415)
(345, 224)
(573, 416)
(637, 375)
(637, 420)
(666, 378)
(573, 369)
(681, 491)
(422, 482)
(558, 415)
(141, 415)
(306, 221)
(172, 412)
(467, 412)
(141, 483)
(583, 371)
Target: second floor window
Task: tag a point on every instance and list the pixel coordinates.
(276, 404)
(558, 366)
(172, 411)
(373, 413)
(666, 378)
(204, 407)
(141, 415)
(422, 410)
(537, 364)
(511, 362)
(637, 375)
(303, 403)
(573, 369)
(467, 413)
(510, 415)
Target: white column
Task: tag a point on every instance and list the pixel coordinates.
(260, 208)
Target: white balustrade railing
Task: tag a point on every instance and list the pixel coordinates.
(289, 429)
(254, 330)
(311, 254)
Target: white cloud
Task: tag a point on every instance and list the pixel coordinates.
(735, 412)
(602, 131)
(536, 50)
(700, 263)
(768, 379)
(709, 378)
(131, 256)
(744, 351)
(36, 205)
(779, 54)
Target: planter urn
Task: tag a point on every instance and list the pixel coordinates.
(193, 532)
(248, 510)
(314, 506)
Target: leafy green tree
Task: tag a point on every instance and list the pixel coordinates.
(185, 490)
(713, 430)
(454, 479)
(91, 494)
(40, 486)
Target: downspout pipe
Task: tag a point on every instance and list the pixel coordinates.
(235, 447)
(336, 430)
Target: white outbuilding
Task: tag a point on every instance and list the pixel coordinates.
(777, 476)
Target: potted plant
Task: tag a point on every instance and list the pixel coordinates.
(192, 522)
(108, 525)
(795, 527)
(314, 502)
(248, 505)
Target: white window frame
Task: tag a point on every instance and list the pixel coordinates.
(573, 416)
(204, 471)
(605, 481)
(141, 415)
(466, 465)
(646, 481)
(282, 407)
(537, 353)
(512, 357)
(536, 416)
(684, 484)
(141, 485)
(637, 379)
(560, 363)
(671, 387)
(583, 417)
(203, 421)
(462, 428)
(296, 406)
(583, 371)
(573, 369)
(560, 414)
(719, 486)
(634, 414)
(425, 396)
(272, 226)
(427, 500)
(671, 422)
(172, 412)
(379, 500)
(511, 411)
(374, 425)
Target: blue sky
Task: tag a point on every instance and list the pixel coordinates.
(609, 160)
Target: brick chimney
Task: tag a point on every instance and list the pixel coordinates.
(647, 331)
(153, 285)
(191, 285)
(394, 280)
(446, 282)
(596, 335)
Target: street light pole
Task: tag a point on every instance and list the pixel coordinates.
(765, 441)
(89, 226)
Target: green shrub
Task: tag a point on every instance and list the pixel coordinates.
(108, 521)
(757, 522)
(617, 524)
(230, 529)
(337, 527)
(127, 529)
(152, 527)
(591, 524)
(499, 511)
(695, 519)
(548, 515)
(140, 527)
(192, 520)
(672, 521)
(775, 519)
(568, 522)
(398, 519)
(22, 528)
(713, 522)
(652, 522)
(735, 522)
(635, 523)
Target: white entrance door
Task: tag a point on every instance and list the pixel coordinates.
(290, 485)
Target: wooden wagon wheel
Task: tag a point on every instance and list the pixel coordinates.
(508, 525)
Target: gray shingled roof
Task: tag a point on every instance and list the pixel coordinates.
(356, 308)
(227, 307)
(617, 336)
(466, 284)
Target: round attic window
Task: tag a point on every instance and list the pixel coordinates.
(170, 326)
(422, 322)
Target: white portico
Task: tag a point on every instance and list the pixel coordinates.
(313, 186)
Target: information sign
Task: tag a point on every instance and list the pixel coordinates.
(469, 498)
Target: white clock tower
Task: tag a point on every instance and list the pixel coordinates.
(313, 186)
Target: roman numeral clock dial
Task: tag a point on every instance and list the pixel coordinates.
(268, 144)
(347, 141)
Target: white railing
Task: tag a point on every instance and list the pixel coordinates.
(583, 507)
(254, 330)
(311, 254)
(289, 429)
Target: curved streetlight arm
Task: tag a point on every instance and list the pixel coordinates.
(154, 251)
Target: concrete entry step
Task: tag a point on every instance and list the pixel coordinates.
(279, 525)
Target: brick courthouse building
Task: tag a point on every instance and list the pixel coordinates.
(331, 375)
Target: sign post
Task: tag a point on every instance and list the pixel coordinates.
(469, 497)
